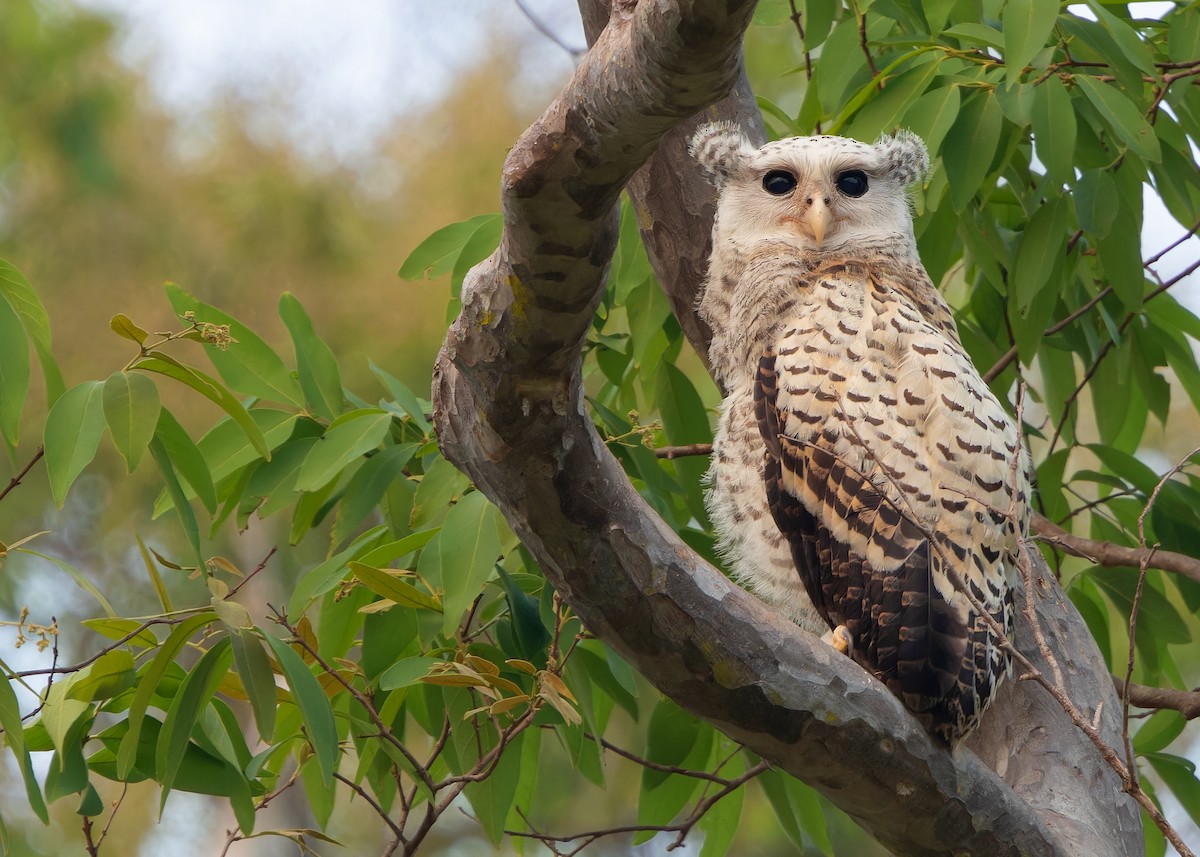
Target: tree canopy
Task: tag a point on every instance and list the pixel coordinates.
(504, 599)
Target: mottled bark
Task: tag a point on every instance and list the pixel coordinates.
(510, 413)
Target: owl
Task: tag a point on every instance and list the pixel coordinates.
(864, 480)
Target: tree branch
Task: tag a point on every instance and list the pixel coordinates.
(1186, 702)
(1110, 554)
(510, 413)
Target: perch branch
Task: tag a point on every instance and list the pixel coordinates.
(510, 413)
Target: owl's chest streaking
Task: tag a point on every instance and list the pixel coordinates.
(885, 464)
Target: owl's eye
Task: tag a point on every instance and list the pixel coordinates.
(779, 182)
(852, 183)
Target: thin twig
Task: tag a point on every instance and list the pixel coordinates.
(379, 810)
(1143, 567)
(682, 451)
(540, 26)
(253, 571)
(16, 480)
(1112, 555)
(656, 766)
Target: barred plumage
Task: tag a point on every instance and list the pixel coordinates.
(864, 480)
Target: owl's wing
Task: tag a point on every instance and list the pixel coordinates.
(887, 463)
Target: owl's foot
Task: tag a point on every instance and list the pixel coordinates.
(840, 638)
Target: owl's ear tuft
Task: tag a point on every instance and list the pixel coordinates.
(721, 148)
(904, 156)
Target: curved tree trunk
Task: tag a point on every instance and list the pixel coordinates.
(510, 413)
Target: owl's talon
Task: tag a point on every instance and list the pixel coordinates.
(840, 638)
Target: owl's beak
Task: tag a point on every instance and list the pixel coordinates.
(817, 219)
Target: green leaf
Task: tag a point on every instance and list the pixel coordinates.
(798, 810)
(10, 718)
(462, 556)
(183, 509)
(1053, 120)
(1027, 26)
(226, 448)
(68, 772)
(405, 672)
(1154, 610)
(91, 804)
(1180, 776)
(320, 378)
(492, 797)
(15, 289)
(530, 634)
(476, 248)
(199, 771)
(403, 397)
(322, 577)
(389, 586)
(437, 254)
(117, 629)
(834, 80)
(819, 16)
(1043, 243)
(1096, 202)
(674, 738)
(685, 421)
(109, 675)
(1158, 731)
(60, 714)
(1125, 38)
(148, 683)
(720, 823)
(254, 669)
(353, 435)
(131, 409)
(210, 388)
(190, 700)
(367, 487)
(440, 484)
(969, 147)
(932, 115)
(881, 114)
(976, 33)
(14, 372)
(319, 726)
(72, 435)
(248, 365)
(1120, 253)
(186, 458)
(1122, 116)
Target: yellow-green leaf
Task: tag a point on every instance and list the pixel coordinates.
(393, 588)
(109, 675)
(122, 326)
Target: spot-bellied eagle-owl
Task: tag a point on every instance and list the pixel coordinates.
(864, 478)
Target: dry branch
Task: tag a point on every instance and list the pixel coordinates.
(1110, 554)
(510, 413)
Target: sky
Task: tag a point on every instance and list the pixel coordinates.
(329, 76)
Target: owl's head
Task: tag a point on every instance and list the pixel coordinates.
(812, 192)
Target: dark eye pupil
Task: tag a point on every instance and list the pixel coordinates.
(778, 182)
(852, 183)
